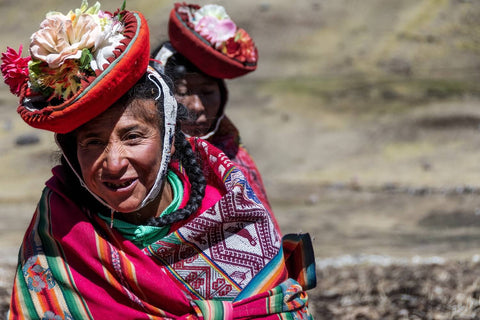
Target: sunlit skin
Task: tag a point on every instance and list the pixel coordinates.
(119, 154)
(201, 95)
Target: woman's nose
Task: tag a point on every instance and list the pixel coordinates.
(195, 104)
(114, 160)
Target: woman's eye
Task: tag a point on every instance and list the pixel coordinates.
(181, 90)
(91, 143)
(133, 136)
(207, 92)
(181, 93)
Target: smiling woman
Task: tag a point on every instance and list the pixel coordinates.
(137, 219)
(119, 154)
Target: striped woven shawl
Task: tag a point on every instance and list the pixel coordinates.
(226, 262)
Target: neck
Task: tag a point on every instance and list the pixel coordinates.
(153, 209)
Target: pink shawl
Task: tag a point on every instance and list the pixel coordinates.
(226, 262)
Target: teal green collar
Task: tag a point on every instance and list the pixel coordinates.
(143, 236)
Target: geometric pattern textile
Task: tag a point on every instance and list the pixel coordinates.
(217, 253)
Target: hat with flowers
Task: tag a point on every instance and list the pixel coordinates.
(207, 37)
(80, 63)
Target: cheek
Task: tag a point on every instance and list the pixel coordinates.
(151, 157)
(213, 105)
(88, 163)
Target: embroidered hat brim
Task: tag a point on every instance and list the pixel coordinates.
(200, 52)
(101, 91)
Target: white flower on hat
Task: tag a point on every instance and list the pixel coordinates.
(212, 10)
(213, 23)
(109, 39)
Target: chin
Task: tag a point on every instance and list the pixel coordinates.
(195, 131)
(126, 210)
(125, 207)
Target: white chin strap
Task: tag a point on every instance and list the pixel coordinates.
(170, 117)
(169, 120)
(211, 133)
(161, 59)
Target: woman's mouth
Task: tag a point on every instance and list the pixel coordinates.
(119, 185)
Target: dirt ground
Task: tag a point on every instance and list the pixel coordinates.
(363, 118)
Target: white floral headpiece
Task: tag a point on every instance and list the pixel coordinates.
(79, 64)
(72, 46)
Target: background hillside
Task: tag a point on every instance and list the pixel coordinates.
(363, 118)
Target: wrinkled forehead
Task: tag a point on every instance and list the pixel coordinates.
(144, 110)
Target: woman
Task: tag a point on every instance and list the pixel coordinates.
(137, 221)
(204, 48)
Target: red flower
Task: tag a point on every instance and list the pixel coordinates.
(241, 47)
(231, 48)
(14, 69)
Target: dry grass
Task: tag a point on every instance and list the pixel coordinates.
(426, 291)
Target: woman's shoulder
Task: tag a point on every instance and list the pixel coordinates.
(220, 170)
(212, 157)
(58, 181)
(66, 185)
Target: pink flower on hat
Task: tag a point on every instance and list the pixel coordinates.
(60, 38)
(214, 30)
(214, 25)
(67, 50)
(14, 69)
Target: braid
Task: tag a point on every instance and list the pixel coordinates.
(195, 174)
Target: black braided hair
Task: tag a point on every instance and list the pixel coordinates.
(188, 159)
(144, 89)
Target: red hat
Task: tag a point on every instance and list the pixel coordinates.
(63, 90)
(210, 39)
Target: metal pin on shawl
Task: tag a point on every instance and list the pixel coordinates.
(111, 218)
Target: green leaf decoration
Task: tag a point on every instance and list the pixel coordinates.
(85, 60)
(34, 67)
(122, 8)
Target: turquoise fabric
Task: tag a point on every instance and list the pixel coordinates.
(143, 236)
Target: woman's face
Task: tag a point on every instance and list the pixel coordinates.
(201, 95)
(120, 153)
